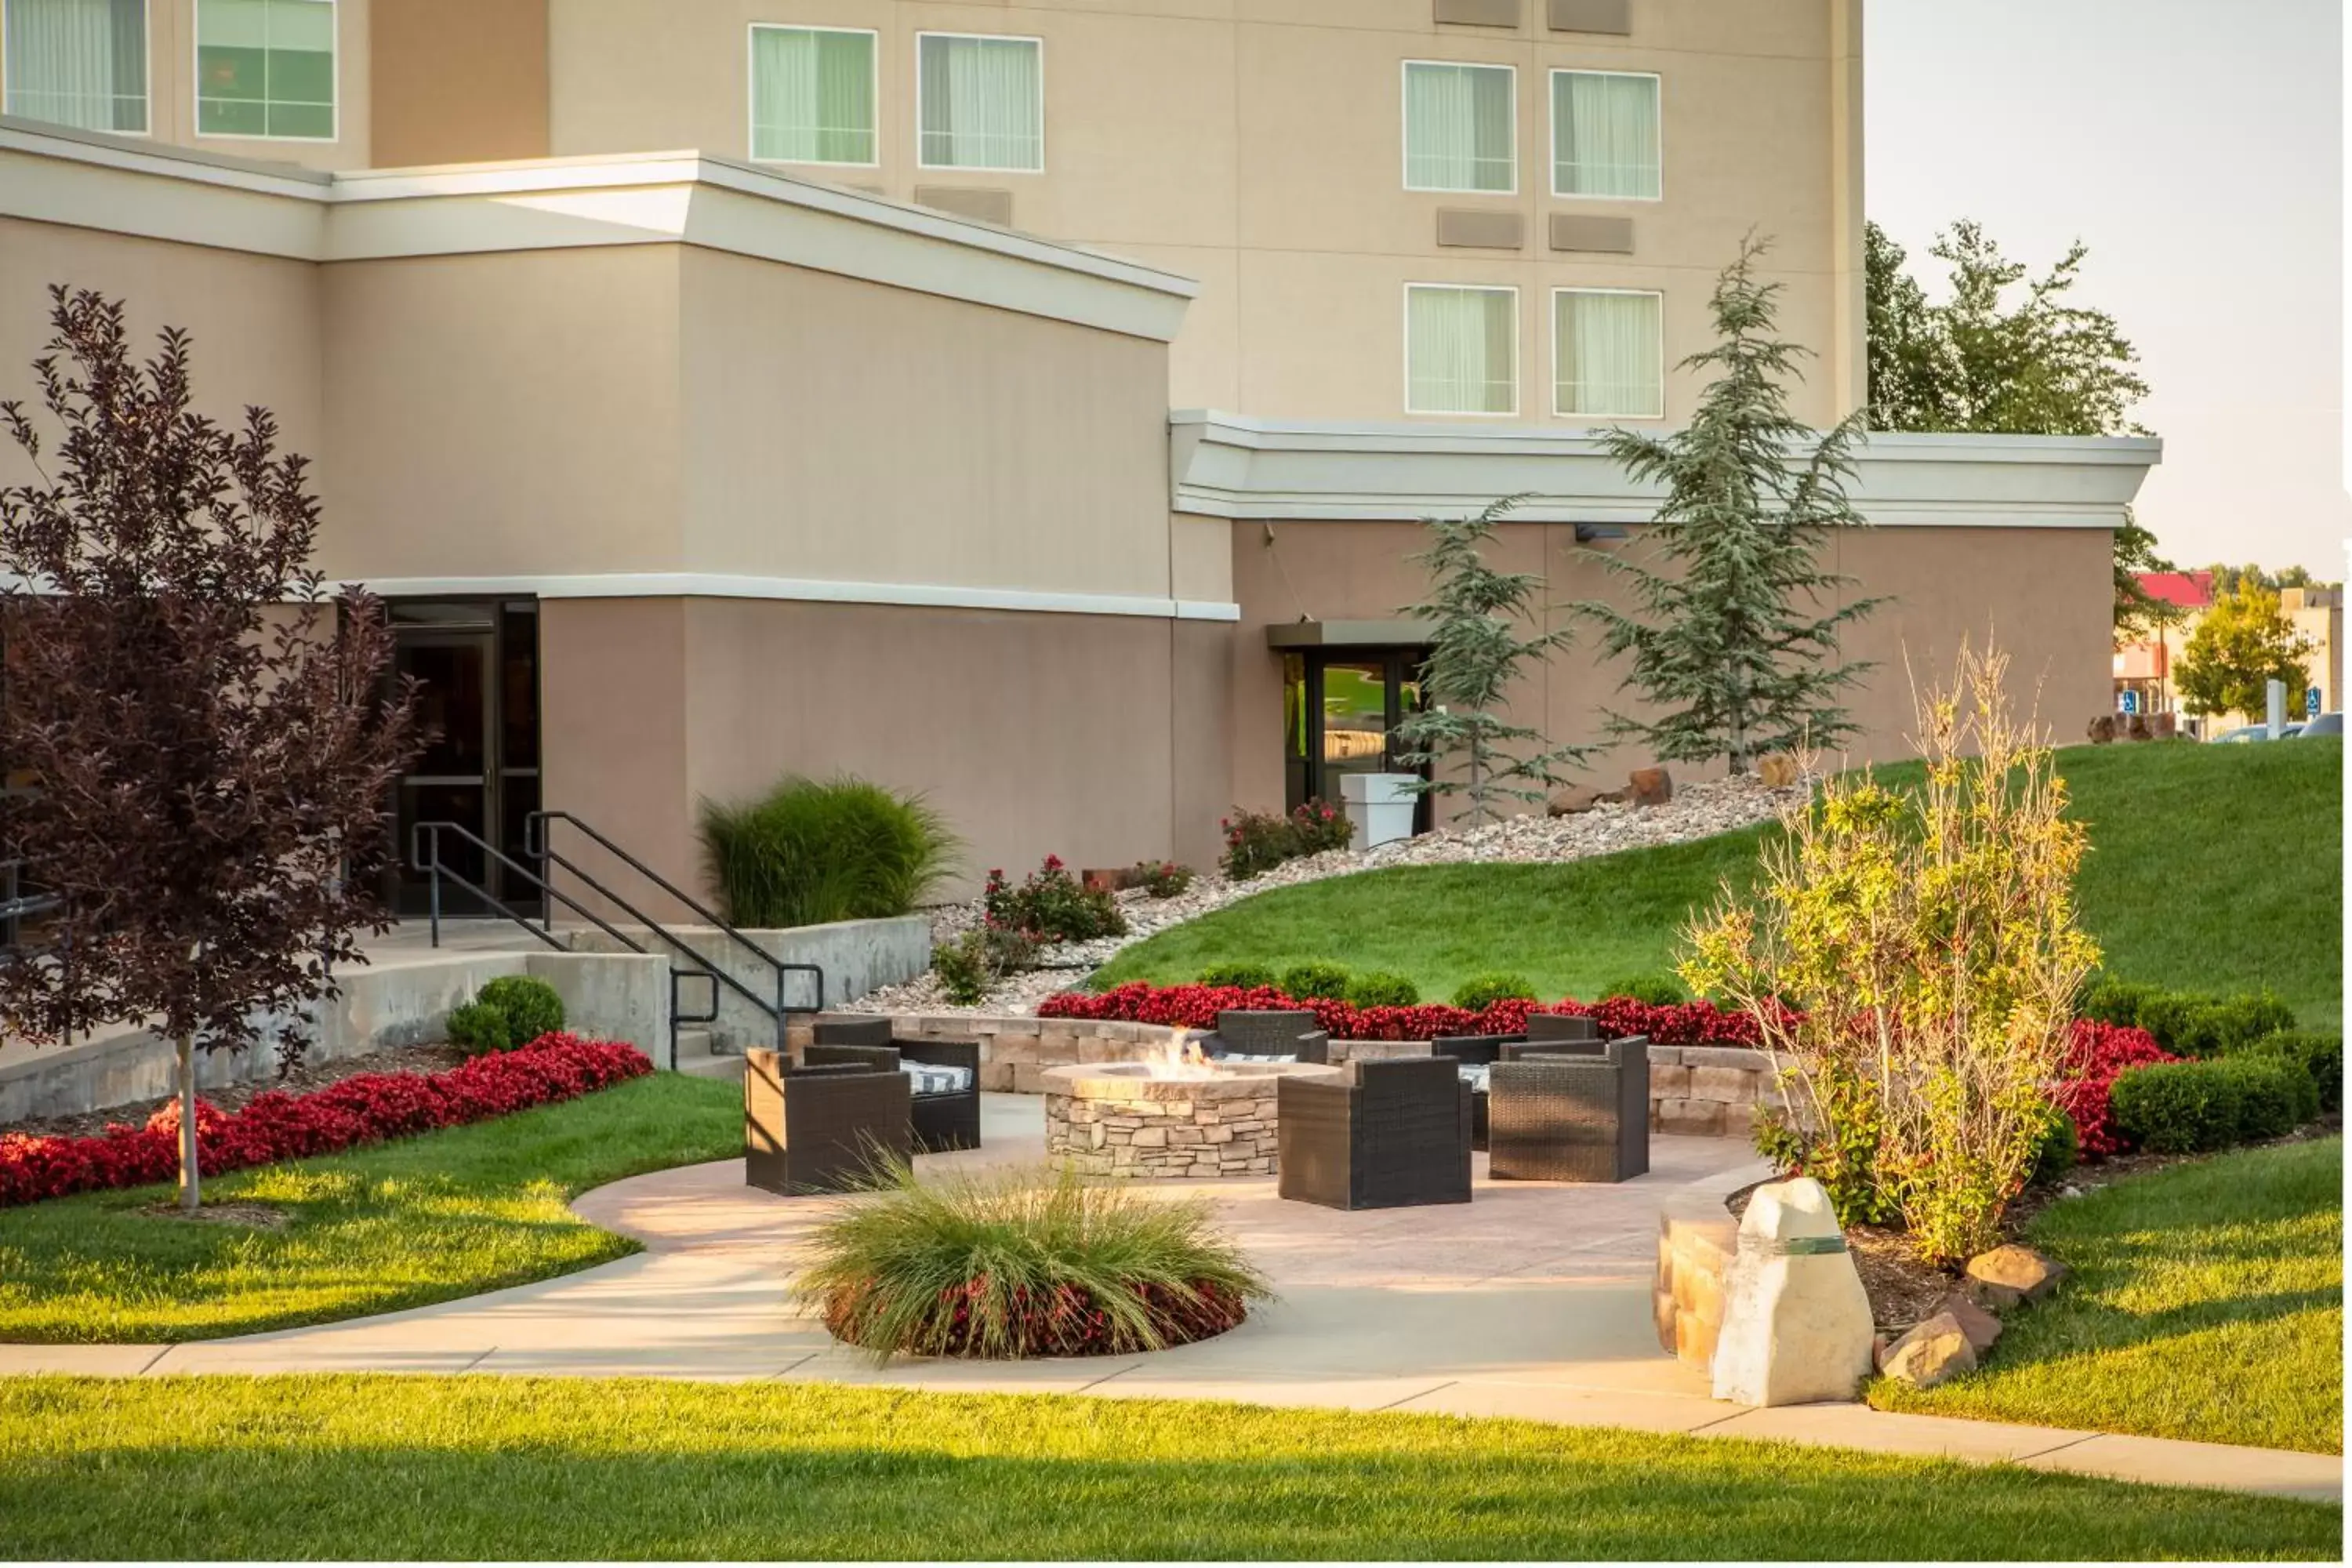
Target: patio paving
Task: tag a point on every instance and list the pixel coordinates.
(1532, 1301)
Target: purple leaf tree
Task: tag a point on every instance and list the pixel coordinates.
(208, 735)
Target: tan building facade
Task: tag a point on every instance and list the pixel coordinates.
(846, 443)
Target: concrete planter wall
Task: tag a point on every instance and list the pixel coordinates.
(1708, 1091)
(857, 957)
(617, 996)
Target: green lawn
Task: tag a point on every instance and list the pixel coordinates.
(2207, 1301)
(400, 1225)
(482, 1467)
(2212, 867)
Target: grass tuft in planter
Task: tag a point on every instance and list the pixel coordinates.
(813, 851)
(1009, 1263)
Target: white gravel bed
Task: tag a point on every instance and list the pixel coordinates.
(1697, 811)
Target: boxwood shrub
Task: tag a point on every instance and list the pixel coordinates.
(2185, 1023)
(1483, 990)
(511, 1011)
(1305, 982)
(2179, 1108)
(1383, 988)
(1241, 976)
(2321, 1057)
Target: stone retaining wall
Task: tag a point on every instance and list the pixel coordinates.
(1695, 1251)
(1708, 1091)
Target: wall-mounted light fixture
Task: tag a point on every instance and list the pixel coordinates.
(1589, 532)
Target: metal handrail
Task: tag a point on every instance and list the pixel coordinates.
(422, 834)
(539, 844)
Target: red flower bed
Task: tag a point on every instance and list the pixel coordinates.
(1064, 1322)
(1197, 1006)
(276, 1125)
(2097, 1056)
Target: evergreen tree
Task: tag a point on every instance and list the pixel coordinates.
(1476, 652)
(1736, 627)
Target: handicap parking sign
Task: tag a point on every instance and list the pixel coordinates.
(2311, 701)
(2131, 702)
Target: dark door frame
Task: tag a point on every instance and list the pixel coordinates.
(1402, 665)
(481, 620)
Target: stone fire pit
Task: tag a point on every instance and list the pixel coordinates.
(1115, 1118)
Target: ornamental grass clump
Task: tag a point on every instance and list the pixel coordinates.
(1912, 962)
(813, 851)
(1009, 1263)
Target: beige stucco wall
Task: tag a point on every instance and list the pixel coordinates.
(505, 414)
(438, 100)
(2041, 592)
(254, 322)
(1035, 735)
(1256, 146)
(841, 429)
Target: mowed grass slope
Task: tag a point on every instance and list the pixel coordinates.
(2212, 867)
(491, 1467)
(2206, 1302)
(400, 1225)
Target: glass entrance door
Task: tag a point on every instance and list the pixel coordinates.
(1339, 706)
(477, 667)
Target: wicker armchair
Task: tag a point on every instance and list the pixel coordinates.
(1566, 1115)
(1475, 1051)
(942, 1121)
(875, 1030)
(1556, 1029)
(1392, 1133)
(1270, 1032)
(819, 1129)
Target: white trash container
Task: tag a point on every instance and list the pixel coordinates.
(1380, 807)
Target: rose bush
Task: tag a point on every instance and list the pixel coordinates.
(276, 1125)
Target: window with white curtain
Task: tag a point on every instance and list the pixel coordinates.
(81, 63)
(982, 102)
(1460, 127)
(1608, 354)
(813, 95)
(1462, 349)
(1604, 135)
(266, 68)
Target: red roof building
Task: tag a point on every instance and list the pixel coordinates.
(2188, 590)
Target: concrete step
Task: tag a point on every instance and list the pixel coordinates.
(697, 1057)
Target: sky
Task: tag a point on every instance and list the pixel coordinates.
(2198, 149)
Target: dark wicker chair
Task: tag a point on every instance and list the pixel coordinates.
(1268, 1033)
(940, 1121)
(1558, 1029)
(1392, 1133)
(819, 1129)
(876, 1030)
(1475, 1051)
(1569, 1115)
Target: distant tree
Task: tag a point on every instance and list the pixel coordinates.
(2139, 615)
(208, 733)
(2227, 579)
(1476, 652)
(1991, 359)
(2242, 644)
(1735, 633)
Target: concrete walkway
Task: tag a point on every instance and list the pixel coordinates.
(1533, 1301)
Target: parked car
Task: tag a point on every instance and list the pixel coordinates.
(2247, 732)
(2326, 724)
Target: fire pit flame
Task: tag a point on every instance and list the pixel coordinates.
(1182, 1056)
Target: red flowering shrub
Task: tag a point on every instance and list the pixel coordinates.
(1197, 1006)
(2096, 1054)
(276, 1125)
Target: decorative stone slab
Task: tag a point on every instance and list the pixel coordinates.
(2011, 1274)
(1796, 1324)
(1932, 1352)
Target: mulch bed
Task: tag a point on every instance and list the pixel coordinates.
(306, 1074)
(253, 1216)
(1903, 1290)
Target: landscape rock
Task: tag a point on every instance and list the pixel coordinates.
(1796, 1320)
(1652, 786)
(1930, 1353)
(2103, 730)
(1981, 1327)
(1575, 799)
(2008, 1275)
(1777, 771)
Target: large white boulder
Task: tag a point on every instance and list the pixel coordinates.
(1796, 1322)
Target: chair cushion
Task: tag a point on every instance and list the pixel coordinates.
(1475, 1076)
(1254, 1056)
(931, 1080)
